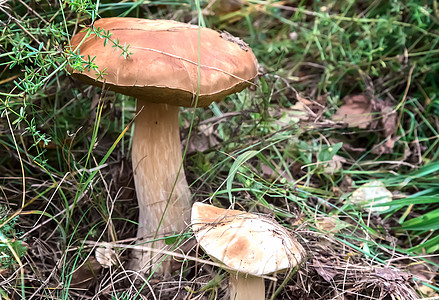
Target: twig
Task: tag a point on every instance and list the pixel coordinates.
(171, 253)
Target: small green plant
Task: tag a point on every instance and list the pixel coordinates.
(11, 247)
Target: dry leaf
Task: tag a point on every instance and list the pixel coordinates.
(372, 193)
(268, 172)
(346, 184)
(355, 112)
(330, 224)
(106, 256)
(301, 110)
(388, 124)
(203, 139)
(222, 7)
(386, 147)
(423, 271)
(390, 274)
(428, 292)
(292, 115)
(86, 274)
(271, 175)
(388, 120)
(335, 164)
(324, 270)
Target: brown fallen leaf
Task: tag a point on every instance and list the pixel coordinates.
(390, 274)
(106, 256)
(346, 184)
(313, 107)
(272, 175)
(203, 139)
(325, 270)
(330, 224)
(335, 164)
(267, 171)
(389, 119)
(86, 274)
(355, 112)
(222, 7)
(386, 147)
(423, 271)
(387, 123)
(292, 115)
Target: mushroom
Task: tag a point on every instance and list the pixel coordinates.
(170, 64)
(249, 246)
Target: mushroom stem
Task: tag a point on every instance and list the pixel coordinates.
(246, 287)
(157, 158)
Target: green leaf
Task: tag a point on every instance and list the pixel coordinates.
(328, 152)
(170, 240)
(264, 85)
(430, 246)
(426, 170)
(240, 160)
(428, 221)
(410, 201)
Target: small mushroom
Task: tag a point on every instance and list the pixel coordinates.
(170, 64)
(248, 245)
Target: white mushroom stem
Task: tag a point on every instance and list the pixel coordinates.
(246, 287)
(157, 158)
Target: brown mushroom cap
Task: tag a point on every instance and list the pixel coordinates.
(245, 243)
(164, 62)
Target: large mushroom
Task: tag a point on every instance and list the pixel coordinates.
(170, 64)
(248, 245)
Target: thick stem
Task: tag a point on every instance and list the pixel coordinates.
(157, 159)
(246, 288)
